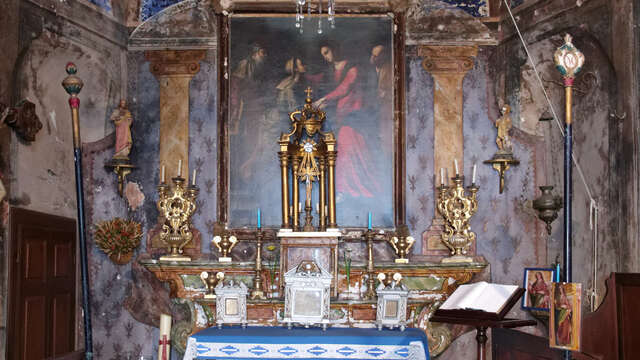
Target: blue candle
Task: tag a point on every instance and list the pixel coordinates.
(557, 272)
(369, 225)
(258, 218)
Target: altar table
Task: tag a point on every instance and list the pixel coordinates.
(264, 342)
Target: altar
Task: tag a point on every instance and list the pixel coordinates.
(374, 278)
(306, 343)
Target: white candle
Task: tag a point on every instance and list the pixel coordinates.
(180, 167)
(441, 176)
(455, 161)
(164, 348)
(162, 177)
(193, 182)
(473, 177)
(300, 207)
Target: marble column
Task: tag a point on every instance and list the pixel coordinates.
(448, 65)
(174, 69)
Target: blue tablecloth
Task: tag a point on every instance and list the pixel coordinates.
(262, 342)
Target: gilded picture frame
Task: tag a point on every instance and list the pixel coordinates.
(565, 316)
(537, 284)
(254, 106)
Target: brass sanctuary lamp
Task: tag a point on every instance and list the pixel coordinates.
(547, 206)
(457, 206)
(311, 154)
(176, 205)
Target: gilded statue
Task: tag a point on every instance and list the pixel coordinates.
(122, 120)
(503, 140)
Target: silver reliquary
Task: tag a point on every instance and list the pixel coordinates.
(307, 291)
(231, 303)
(392, 302)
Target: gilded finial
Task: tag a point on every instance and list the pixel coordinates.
(308, 91)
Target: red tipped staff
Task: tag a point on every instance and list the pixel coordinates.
(73, 84)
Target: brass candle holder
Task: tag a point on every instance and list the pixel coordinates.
(457, 207)
(257, 292)
(225, 243)
(401, 242)
(176, 205)
(370, 294)
(210, 281)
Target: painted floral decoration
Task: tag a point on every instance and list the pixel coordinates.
(117, 236)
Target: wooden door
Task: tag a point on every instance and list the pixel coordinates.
(42, 285)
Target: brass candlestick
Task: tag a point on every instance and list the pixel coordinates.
(257, 292)
(210, 282)
(176, 205)
(457, 207)
(370, 294)
(401, 242)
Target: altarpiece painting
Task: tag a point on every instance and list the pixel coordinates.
(350, 71)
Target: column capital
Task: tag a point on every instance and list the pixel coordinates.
(174, 62)
(447, 59)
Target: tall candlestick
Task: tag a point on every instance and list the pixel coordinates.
(369, 224)
(455, 161)
(473, 177)
(180, 167)
(259, 218)
(162, 177)
(442, 176)
(193, 182)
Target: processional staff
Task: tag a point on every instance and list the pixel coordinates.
(569, 61)
(73, 84)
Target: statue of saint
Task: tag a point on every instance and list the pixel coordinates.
(504, 125)
(122, 119)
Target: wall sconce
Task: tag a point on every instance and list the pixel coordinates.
(122, 168)
(502, 163)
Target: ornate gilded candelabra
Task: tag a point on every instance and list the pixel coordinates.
(311, 153)
(257, 292)
(401, 242)
(457, 207)
(176, 205)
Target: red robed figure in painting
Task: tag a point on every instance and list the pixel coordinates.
(353, 175)
(539, 292)
(563, 317)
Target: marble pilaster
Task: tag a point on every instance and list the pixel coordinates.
(174, 69)
(448, 65)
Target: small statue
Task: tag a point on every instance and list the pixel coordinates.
(22, 118)
(503, 140)
(122, 119)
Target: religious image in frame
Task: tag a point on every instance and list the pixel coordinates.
(350, 71)
(565, 316)
(537, 285)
